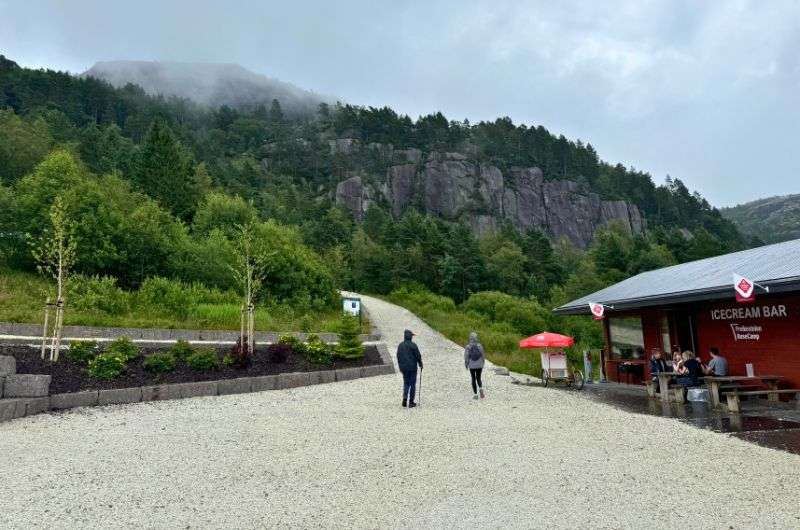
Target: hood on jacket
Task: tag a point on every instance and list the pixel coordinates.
(473, 338)
(407, 334)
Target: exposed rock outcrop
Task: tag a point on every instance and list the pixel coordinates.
(344, 146)
(451, 186)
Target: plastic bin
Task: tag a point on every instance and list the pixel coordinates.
(697, 394)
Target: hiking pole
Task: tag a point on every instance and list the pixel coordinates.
(419, 395)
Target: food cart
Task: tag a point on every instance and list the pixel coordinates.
(555, 367)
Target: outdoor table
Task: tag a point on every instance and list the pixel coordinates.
(714, 382)
(663, 383)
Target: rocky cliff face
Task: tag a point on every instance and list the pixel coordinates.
(456, 188)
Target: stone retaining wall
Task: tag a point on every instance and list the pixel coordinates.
(144, 334)
(19, 407)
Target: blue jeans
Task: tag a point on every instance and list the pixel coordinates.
(409, 385)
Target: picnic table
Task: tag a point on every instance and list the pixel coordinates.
(714, 382)
(663, 383)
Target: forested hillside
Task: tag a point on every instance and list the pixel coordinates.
(156, 186)
(769, 220)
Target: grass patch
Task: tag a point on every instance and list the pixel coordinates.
(22, 297)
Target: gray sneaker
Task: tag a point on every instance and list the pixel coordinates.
(475, 397)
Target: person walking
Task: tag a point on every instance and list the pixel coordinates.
(408, 358)
(474, 360)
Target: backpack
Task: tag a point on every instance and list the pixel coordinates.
(474, 352)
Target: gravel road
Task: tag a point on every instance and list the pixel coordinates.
(345, 455)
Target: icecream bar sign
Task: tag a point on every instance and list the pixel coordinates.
(758, 311)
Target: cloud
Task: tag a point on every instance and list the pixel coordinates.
(704, 91)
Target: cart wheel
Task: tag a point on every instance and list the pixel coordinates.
(545, 377)
(577, 379)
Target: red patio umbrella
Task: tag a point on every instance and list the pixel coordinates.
(546, 339)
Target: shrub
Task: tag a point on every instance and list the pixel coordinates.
(526, 316)
(293, 342)
(306, 323)
(107, 366)
(417, 295)
(317, 351)
(160, 362)
(98, 293)
(278, 353)
(169, 297)
(349, 346)
(124, 348)
(203, 359)
(82, 351)
(181, 350)
(239, 356)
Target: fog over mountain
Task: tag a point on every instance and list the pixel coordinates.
(213, 84)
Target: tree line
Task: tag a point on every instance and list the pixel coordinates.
(157, 187)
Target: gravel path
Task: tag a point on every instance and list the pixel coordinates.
(346, 455)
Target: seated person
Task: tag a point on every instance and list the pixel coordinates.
(718, 365)
(677, 362)
(657, 365)
(691, 370)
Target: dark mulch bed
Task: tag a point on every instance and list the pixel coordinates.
(72, 377)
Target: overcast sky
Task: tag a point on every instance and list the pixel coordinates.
(708, 92)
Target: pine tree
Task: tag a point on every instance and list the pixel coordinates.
(164, 171)
(349, 346)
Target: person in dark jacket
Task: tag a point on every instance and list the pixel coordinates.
(657, 365)
(408, 358)
(691, 371)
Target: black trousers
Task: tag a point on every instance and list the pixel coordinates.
(409, 385)
(475, 373)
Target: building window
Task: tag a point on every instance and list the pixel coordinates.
(627, 338)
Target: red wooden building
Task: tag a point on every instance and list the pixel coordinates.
(692, 306)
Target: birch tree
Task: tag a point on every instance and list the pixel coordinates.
(54, 253)
(247, 272)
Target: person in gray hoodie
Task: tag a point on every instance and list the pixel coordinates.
(474, 360)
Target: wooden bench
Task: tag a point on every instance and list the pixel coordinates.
(734, 401)
(652, 387)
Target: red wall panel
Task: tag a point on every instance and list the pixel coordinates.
(764, 333)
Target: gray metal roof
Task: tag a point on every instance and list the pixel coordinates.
(776, 266)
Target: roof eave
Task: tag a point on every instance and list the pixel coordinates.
(715, 293)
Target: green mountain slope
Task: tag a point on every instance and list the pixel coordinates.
(356, 197)
(771, 220)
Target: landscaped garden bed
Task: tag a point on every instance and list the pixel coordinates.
(72, 375)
